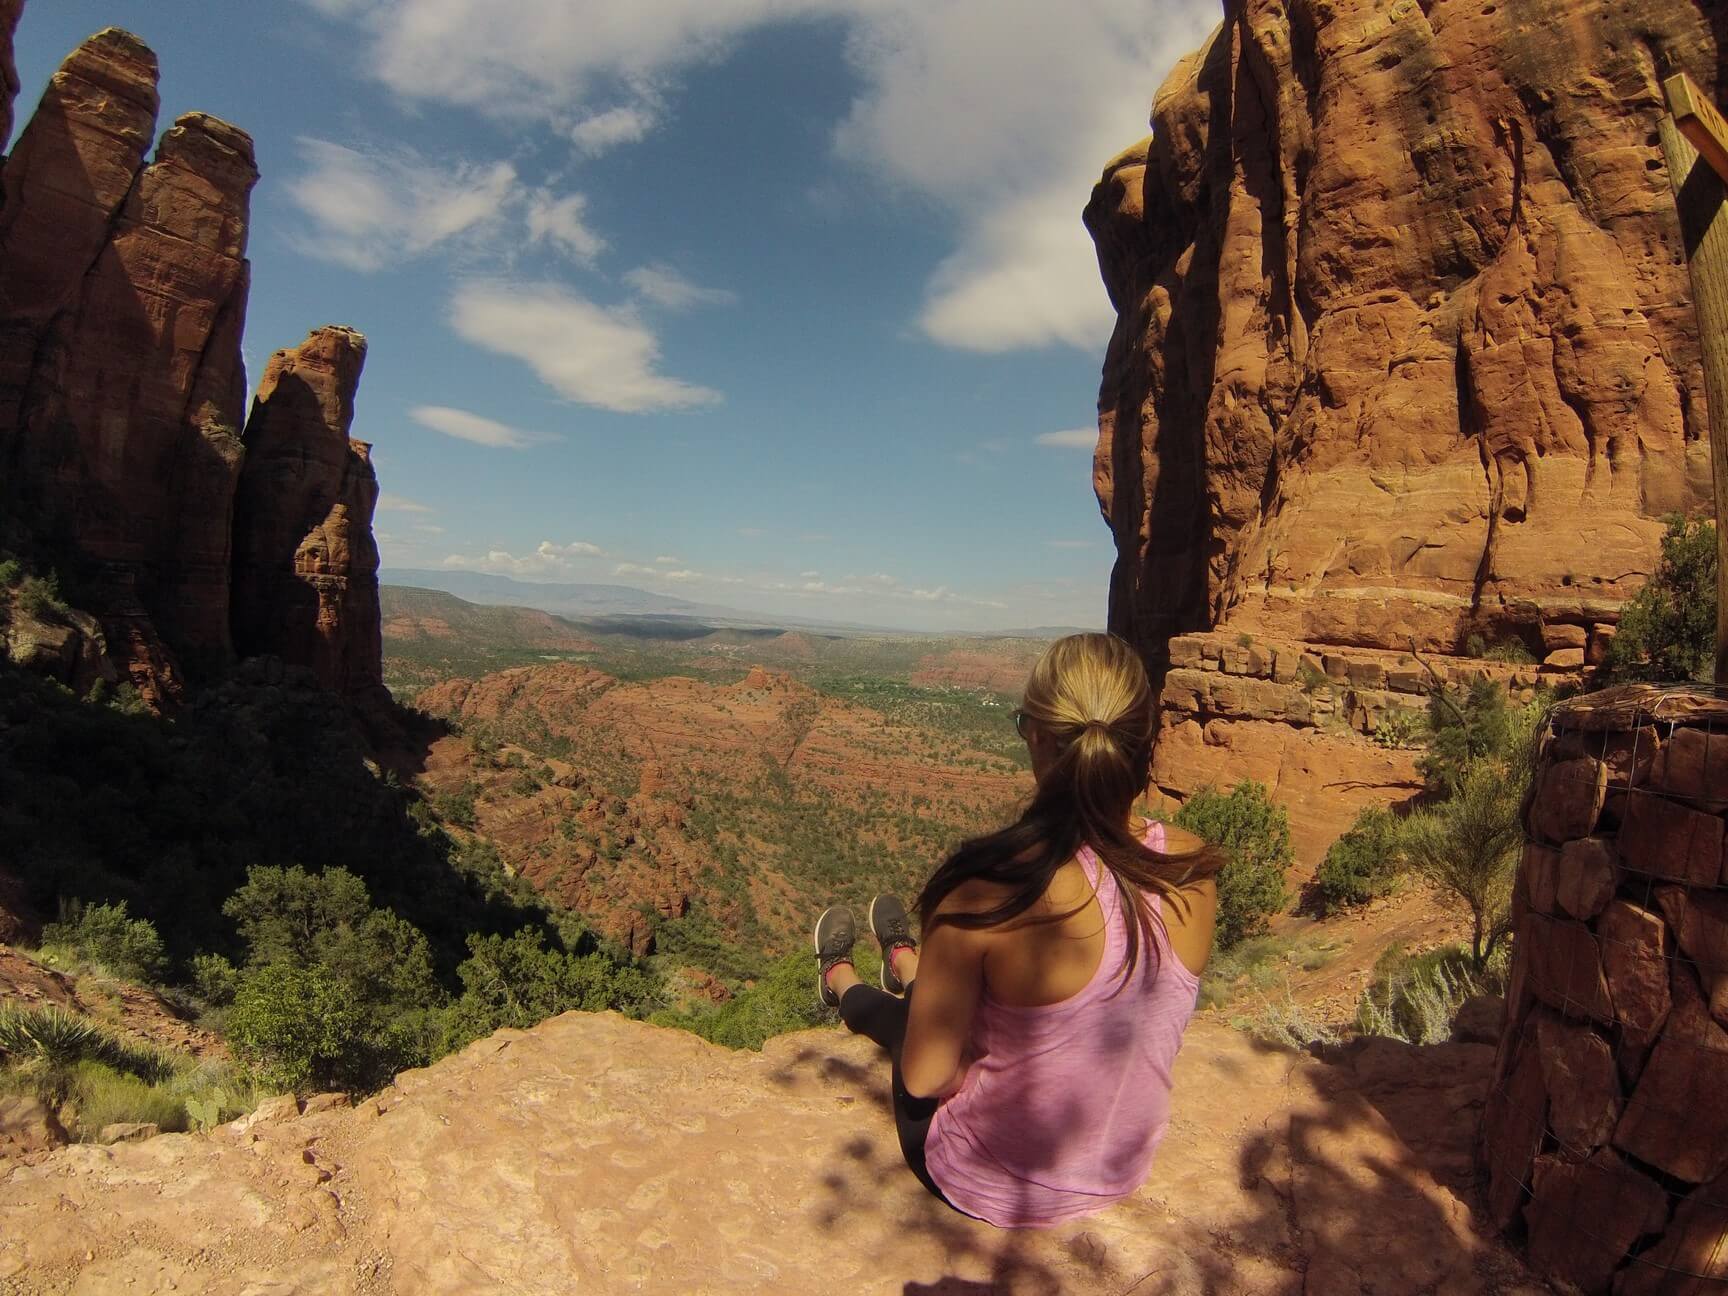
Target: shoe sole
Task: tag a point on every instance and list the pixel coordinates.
(898, 987)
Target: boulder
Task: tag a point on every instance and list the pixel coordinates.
(1692, 1257)
(1584, 1218)
(128, 1132)
(1587, 876)
(27, 1125)
(1513, 1124)
(1582, 1086)
(1479, 1020)
(1635, 956)
(1565, 967)
(1568, 800)
(1700, 923)
(1675, 1119)
(1665, 839)
(1540, 874)
(1693, 765)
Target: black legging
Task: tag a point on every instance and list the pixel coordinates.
(880, 1016)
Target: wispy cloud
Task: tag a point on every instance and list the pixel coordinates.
(603, 356)
(1000, 122)
(558, 221)
(370, 210)
(1070, 438)
(389, 503)
(548, 559)
(465, 426)
(663, 286)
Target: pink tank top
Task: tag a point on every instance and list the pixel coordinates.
(1067, 1102)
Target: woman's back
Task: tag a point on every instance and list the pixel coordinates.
(1068, 1095)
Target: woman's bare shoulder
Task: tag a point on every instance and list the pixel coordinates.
(1180, 841)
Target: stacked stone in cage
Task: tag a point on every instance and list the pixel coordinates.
(1605, 1138)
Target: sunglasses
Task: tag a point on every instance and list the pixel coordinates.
(1022, 722)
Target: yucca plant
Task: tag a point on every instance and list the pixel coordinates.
(52, 1036)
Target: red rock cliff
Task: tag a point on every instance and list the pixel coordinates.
(1404, 353)
(305, 565)
(123, 290)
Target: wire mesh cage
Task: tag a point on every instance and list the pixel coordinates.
(1605, 1137)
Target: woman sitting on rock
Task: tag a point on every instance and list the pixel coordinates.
(1061, 959)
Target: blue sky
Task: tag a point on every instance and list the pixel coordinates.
(771, 303)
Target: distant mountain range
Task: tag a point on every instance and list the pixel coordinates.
(579, 601)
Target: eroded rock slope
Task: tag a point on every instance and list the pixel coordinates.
(594, 1154)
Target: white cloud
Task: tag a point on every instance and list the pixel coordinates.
(685, 575)
(429, 528)
(548, 559)
(597, 355)
(369, 210)
(603, 131)
(1070, 438)
(810, 575)
(1000, 113)
(661, 285)
(388, 503)
(667, 560)
(575, 549)
(473, 427)
(558, 221)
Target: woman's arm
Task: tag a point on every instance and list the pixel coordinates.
(944, 1001)
(1189, 918)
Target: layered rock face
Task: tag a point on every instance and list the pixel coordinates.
(305, 565)
(1404, 349)
(1606, 1139)
(123, 289)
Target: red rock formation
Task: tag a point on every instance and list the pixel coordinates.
(121, 382)
(305, 565)
(123, 294)
(1404, 349)
(9, 12)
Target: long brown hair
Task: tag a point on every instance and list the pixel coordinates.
(1089, 692)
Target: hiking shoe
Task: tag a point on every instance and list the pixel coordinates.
(835, 934)
(892, 930)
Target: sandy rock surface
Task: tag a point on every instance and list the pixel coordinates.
(594, 1154)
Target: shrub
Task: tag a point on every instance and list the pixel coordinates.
(1255, 835)
(1363, 863)
(456, 808)
(126, 947)
(214, 979)
(295, 1027)
(39, 595)
(1416, 998)
(1465, 728)
(1668, 630)
(1259, 963)
(102, 1095)
(1468, 845)
(518, 981)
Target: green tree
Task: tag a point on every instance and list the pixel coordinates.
(285, 914)
(1364, 862)
(1668, 630)
(297, 1028)
(1463, 729)
(518, 981)
(1255, 835)
(1469, 845)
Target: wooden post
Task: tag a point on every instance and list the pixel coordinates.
(1695, 146)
